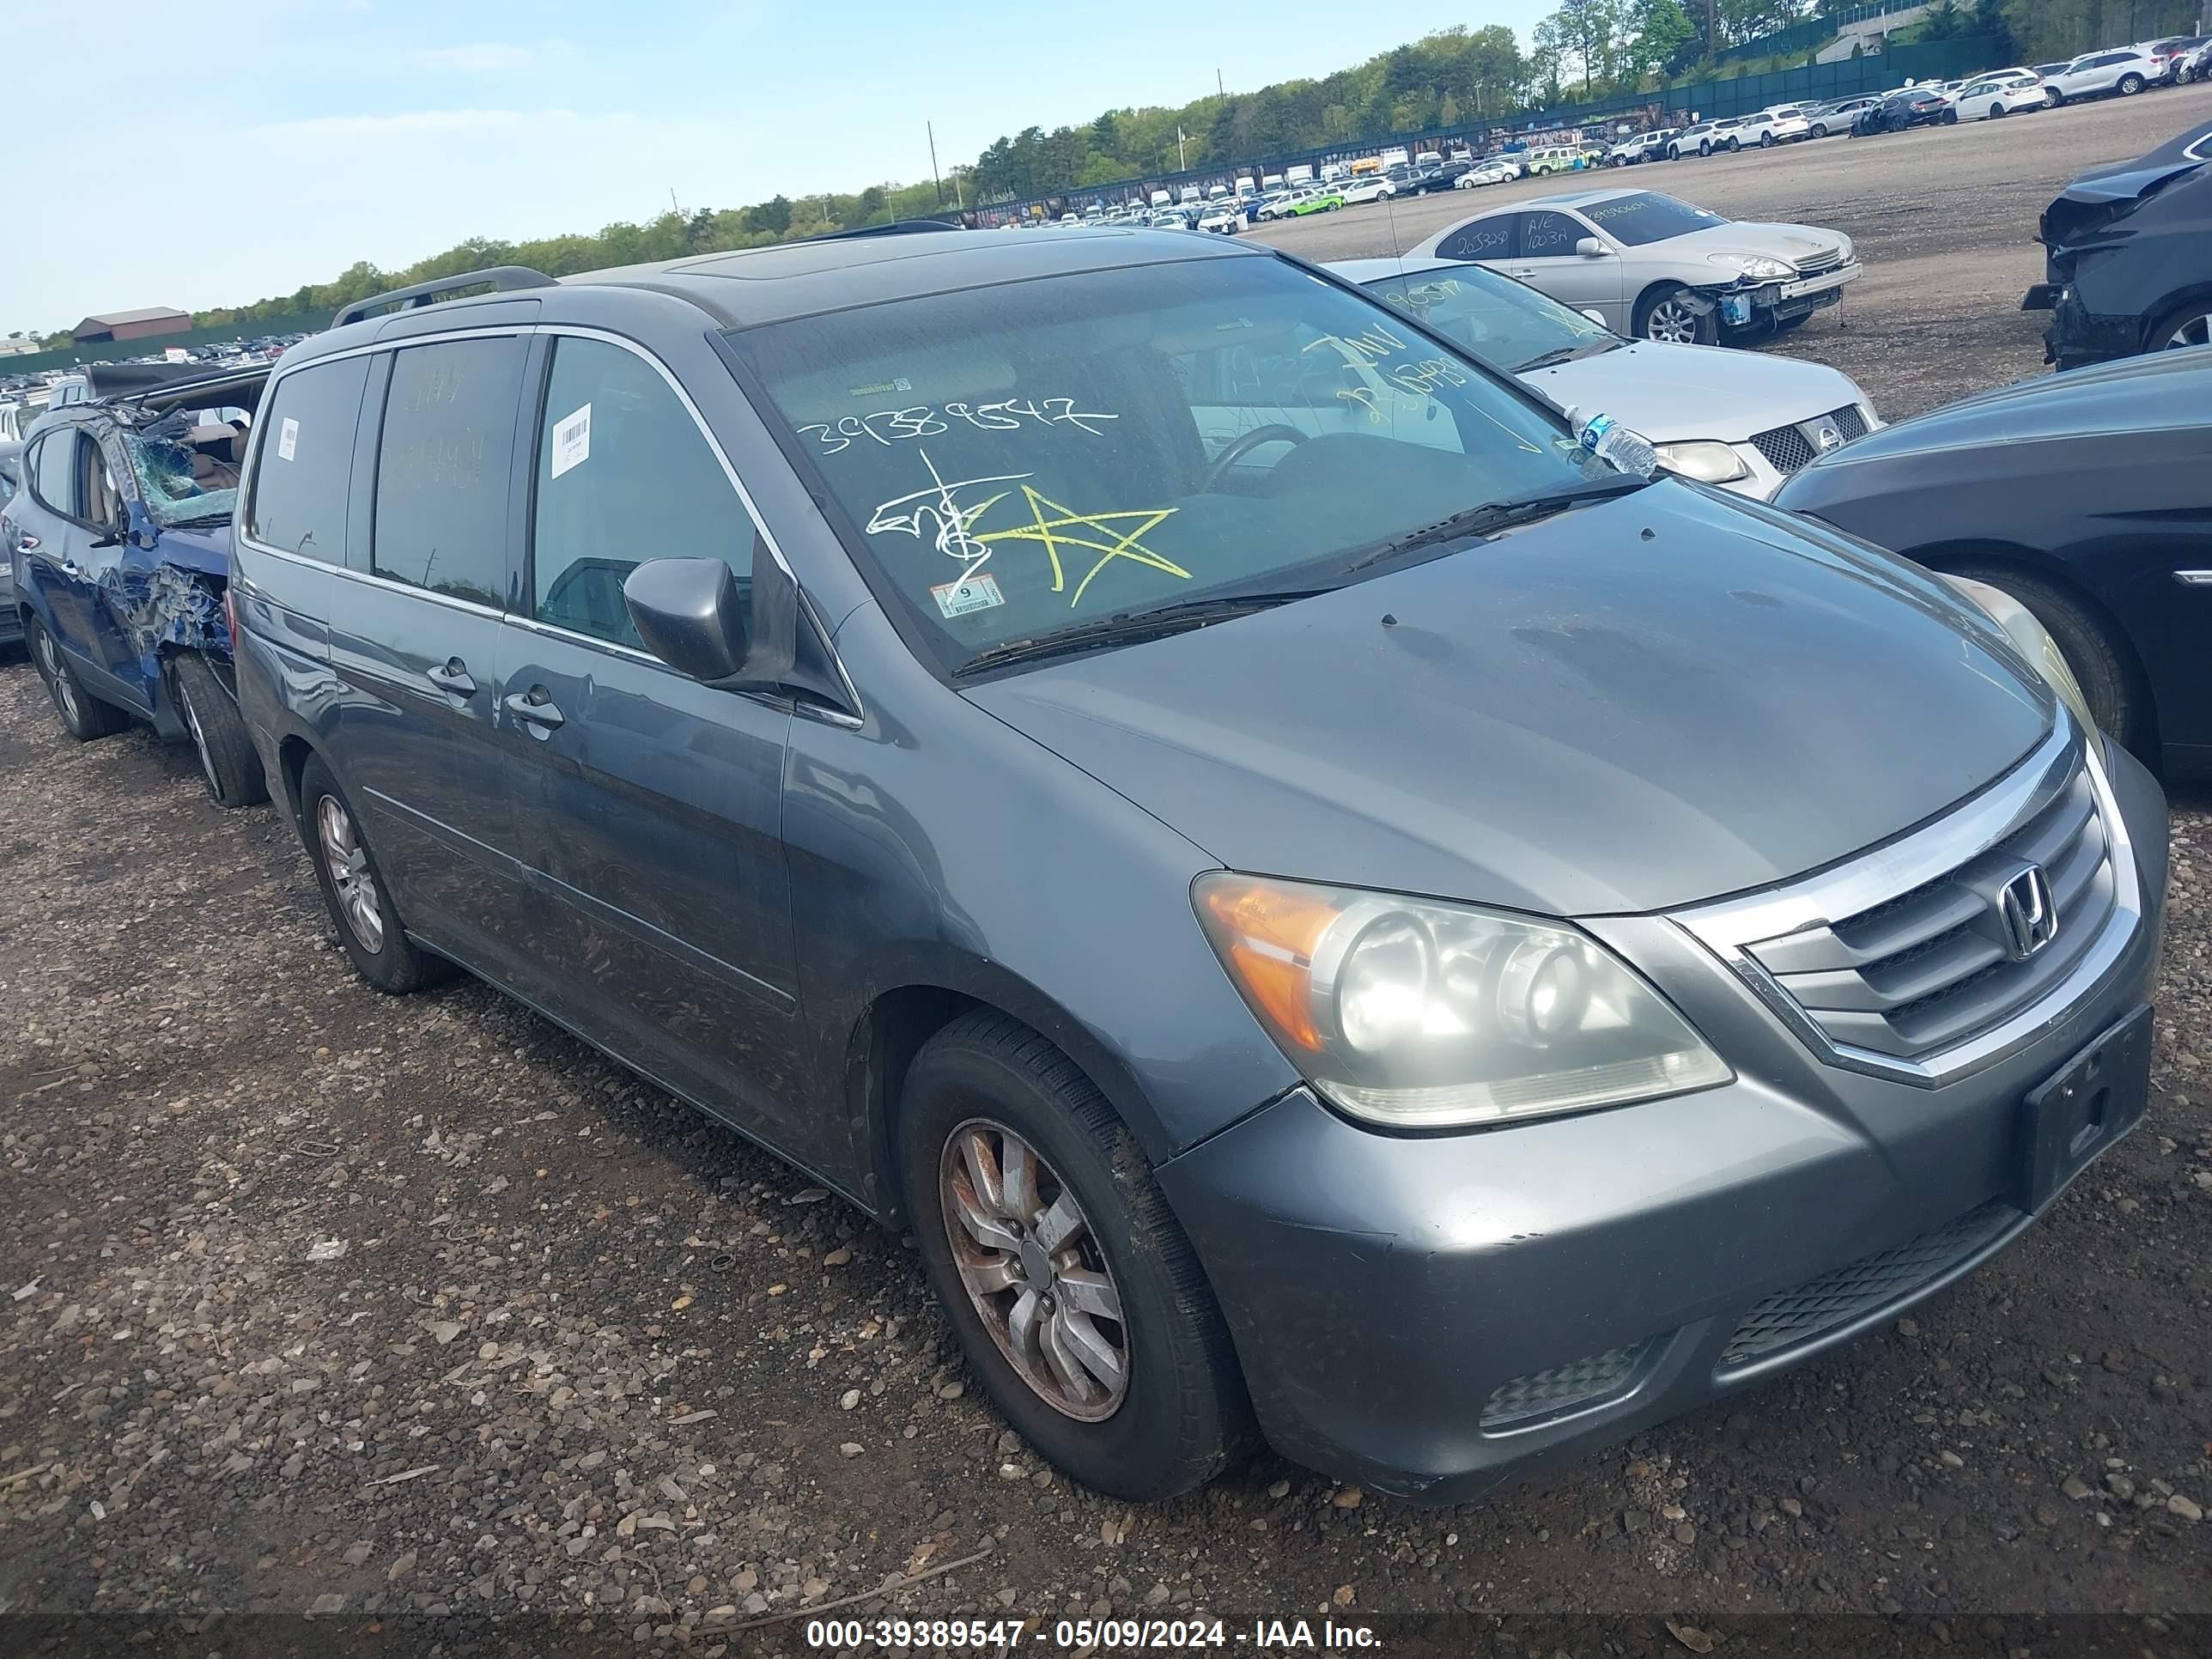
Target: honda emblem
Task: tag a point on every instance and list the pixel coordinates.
(2028, 913)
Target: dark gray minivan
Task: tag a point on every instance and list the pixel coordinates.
(1331, 913)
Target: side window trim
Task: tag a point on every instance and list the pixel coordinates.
(525, 610)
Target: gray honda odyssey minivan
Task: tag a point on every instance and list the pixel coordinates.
(1331, 913)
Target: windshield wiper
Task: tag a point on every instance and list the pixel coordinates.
(1128, 625)
(1494, 516)
(1558, 354)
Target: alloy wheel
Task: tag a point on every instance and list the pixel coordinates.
(2191, 332)
(1033, 1270)
(1672, 321)
(57, 680)
(347, 863)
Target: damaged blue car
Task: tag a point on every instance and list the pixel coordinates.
(120, 537)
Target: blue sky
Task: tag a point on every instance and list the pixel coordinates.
(295, 138)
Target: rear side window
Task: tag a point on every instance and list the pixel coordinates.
(1486, 238)
(301, 478)
(443, 465)
(55, 475)
(624, 475)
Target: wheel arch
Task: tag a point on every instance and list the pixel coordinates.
(904, 1013)
(2190, 295)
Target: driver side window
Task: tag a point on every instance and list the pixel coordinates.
(624, 475)
(1486, 238)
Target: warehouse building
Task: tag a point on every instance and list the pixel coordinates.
(130, 325)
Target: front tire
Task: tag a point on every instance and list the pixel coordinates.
(354, 888)
(1734, 145)
(1073, 1290)
(1666, 315)
(1819, 131)
(227, 760)
(83, 716)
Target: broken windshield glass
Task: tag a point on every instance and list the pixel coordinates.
(187, 466)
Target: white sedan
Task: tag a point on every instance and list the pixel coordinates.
(1372, 188)
(1486, 173)
(1990, 99)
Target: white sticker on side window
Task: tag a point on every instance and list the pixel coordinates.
(976, 592)
(288, 439)
(572, 441)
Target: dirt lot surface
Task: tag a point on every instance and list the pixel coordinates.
(409, 1313)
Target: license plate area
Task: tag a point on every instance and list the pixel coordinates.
(2093, 1101)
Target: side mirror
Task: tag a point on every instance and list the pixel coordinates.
(1595, 316)
(690, 616)
(1591, 248)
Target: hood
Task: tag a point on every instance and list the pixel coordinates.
(1795, 243)
(1631, 706)
(2159, 391)
(1674, 392)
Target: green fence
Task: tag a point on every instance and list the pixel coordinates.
(1847, 77)
(113, 351)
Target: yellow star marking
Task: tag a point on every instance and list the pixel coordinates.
(1052, 534)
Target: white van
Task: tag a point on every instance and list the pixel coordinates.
(1552, 158)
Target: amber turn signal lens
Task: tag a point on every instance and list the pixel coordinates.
(1269, 935)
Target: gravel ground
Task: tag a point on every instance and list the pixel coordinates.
(407, 1314)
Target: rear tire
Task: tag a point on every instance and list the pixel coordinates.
(373, 936)
(1997, 112)
(2130, 85)
(227, 760)
(83, 716)
(2103, 668)
(1766, 141)
(1734, 145)
(980, 1088)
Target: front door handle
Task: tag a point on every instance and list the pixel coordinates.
(453, 676)
(536, 706)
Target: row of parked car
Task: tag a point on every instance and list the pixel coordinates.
(877, 701)
(1992, 95)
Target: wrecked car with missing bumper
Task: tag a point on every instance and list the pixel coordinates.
(120, 540)
(2128, 257)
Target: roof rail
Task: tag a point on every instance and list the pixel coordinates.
(895, 228)
(499, 278)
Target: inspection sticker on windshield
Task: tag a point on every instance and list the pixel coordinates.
(288, 439)
(977, 592)
(572, 441)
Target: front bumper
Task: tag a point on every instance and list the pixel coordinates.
(2077, 334)
(1431, 1315)
(1750, 303)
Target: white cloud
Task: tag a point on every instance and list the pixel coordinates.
(490, 57)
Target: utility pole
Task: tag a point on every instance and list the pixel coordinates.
(1220, 90)
(1179, 163)
(930, 127)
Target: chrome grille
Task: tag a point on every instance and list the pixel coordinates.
(1790, 448)
(1904, 962)
(1805, 1311)
(1934, 965)
(1539, 1394)
(1820, 262)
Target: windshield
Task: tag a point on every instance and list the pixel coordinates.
(1015, 460)
(1503, 323)
(187, 464)
(1648, 216)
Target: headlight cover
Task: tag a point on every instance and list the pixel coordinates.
(1415, 1014)
(1755, 265)
(1704, 459)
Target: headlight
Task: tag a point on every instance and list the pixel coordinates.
(1419, 1015)
(2032, 640)
(1756, 265)
(1702, 459)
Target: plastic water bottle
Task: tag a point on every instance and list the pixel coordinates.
(1607, 439)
